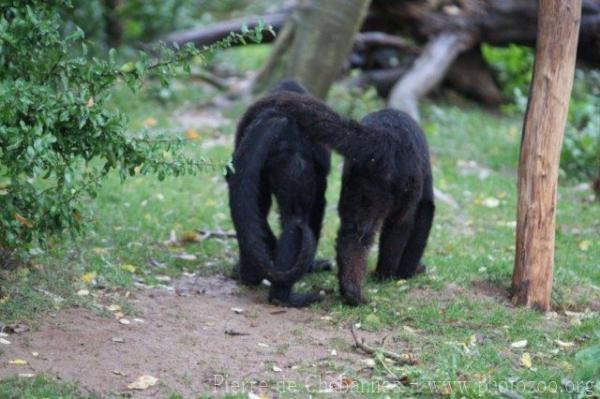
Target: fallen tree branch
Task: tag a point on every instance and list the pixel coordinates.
(427, 71)
(208, 234)
(210, 78)
(404, 358)
(207, 35)
(370, 39)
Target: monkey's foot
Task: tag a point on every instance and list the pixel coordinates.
(249, 279)
(320, 265)
(421, 268)
(235, 272)
(352, 295)
(382, 276)
(292, 299)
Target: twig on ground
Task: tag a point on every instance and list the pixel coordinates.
(234, 333)
(404, 358)
(207, 234)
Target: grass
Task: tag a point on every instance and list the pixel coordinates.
(39, 387)
(454, 317)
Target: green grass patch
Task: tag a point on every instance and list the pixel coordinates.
(456, 318)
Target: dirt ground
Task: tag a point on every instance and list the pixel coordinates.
(206, 337)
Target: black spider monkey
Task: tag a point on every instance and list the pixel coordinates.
(387, 186)
(273, 156)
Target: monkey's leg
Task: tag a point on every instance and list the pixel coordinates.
(246, 270)
(392, 243)
(409, 263)
(361, 209)
(316, 217)
(296, 246)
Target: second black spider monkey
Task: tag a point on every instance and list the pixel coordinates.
(273, 156)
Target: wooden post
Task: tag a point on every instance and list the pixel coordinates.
(543, 131)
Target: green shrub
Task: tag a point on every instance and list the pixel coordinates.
(513, 65)
(147, 20)
(57, 137)
(581, 149)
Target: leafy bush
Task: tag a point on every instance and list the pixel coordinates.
(581, 150)
(57, 137)
(514, 67)
(146, 20)
(354, 102)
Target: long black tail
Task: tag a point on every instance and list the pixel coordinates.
(297, 247)
(322, 124)
(251, 225)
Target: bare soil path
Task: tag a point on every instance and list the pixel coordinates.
(205, 337)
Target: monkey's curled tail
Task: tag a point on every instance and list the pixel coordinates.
(296, 247)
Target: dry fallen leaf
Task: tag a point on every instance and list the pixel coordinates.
(564, 344)
(585, 245)
(347, 382)
(277, 369)
(114, 308)
(143, 382)
(192, 134)
(369, 362)
(124, 321)
(472, 340)
(83, 293)
(149, 122)
(23, 220)
(490, 202)
(90, 102)
(519, 344)
(88, 277)
(128, 268)
(185, 256)
(18, 362)
(526, 360)
(410, 330)
(4, 341)
(117, 339)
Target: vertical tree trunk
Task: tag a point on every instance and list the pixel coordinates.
(113, 25)
(543, 130)
(314, 45)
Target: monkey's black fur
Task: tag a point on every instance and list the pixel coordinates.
(386, 186)
(273, 156)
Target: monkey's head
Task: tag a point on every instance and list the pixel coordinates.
(288, 85)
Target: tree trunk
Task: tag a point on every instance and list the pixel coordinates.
(113, 25)
(543, 130)
(314, 44)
